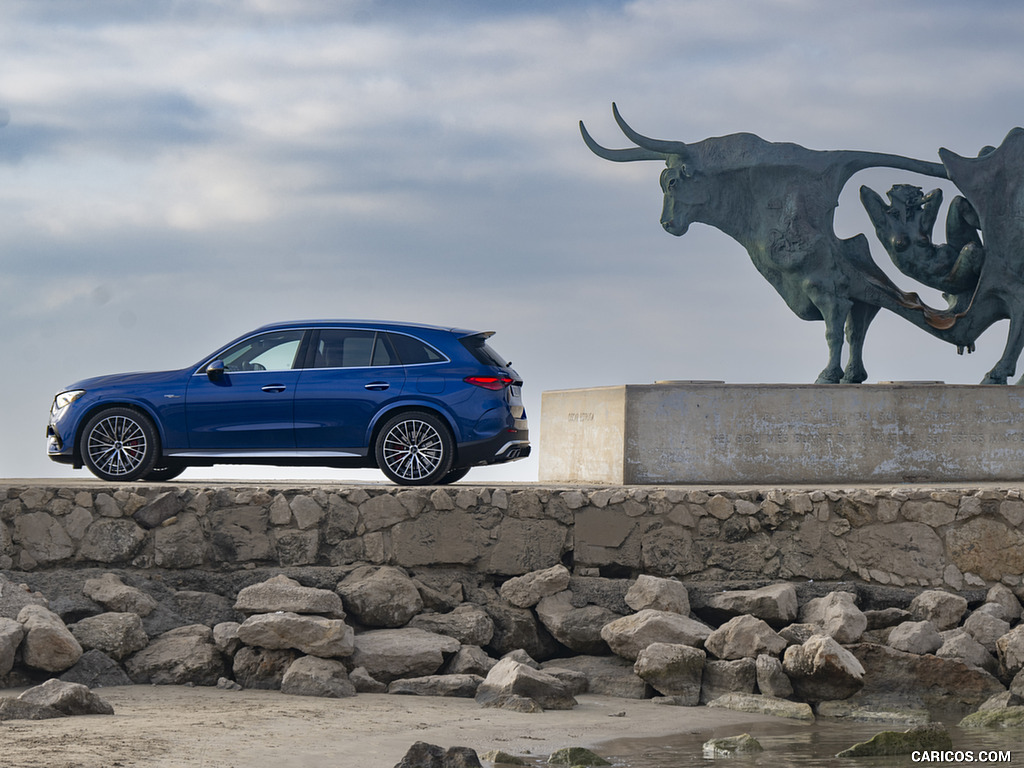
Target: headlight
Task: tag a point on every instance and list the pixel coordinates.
(64, 399)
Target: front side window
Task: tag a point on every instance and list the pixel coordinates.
(267, 352)
(352, 348)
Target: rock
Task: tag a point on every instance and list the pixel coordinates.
(946, 686)
(469, 624)
(1010, 717)
(775, 604)
(730, 746)
(527, 590)
(111, 541)
(114, 595)
(918, 637)
(389, 654)
(510, 678)
(458, 686)
(12, 709)
(578, 629)
(522, 657)
(162, 508)
(204, 607)
(942, 609)
(575, 756)
(631, 634)
(673, 670)
(1001, 701)
(14, 597)
(47, 644)
(11, 633)
(606, 675)
(94, 669)
(1010, 651)
(986, 629)
(380, 597)
(183, 655)
(658, 594)
(281, 593)
(744, 637)
(116, 634)
(822, 670)
(225, 637)
(575, 682)
(886, 617)
(921, 738)
(69, 698)
(518, 628)
(722, 677)
(469, 660)
(423, 755)
(498, 757)
(798, 634)
(1003, 596)
(313, 635)
(262, 668)
(957, 644)
(765, 705)
(364, 683)
(837, 614)
(872, 712)
(771, 677)
(315, 676)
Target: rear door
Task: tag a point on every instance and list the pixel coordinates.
(351, 374)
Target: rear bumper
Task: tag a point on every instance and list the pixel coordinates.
(507, 445)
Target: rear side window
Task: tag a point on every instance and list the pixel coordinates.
(412, 351)
(350, 348)
(482, 351)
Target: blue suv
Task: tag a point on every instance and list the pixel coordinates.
(422, 403)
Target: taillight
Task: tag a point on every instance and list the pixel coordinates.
(494, 383)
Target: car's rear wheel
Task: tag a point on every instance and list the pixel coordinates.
(166, 469)
(415, 448)
(120, 445)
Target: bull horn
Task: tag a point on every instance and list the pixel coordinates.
(655, 145)
(618, 155)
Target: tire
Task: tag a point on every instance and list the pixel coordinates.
(166, 469)
(415, 448)
(120, 445)
(454, 476)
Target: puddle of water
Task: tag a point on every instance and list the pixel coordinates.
(793, 745)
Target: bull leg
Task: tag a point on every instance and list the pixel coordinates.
(1007, 364)
(834, 311)
(856, 330)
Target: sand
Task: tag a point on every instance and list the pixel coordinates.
(182, 727)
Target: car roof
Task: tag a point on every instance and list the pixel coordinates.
(380, 324)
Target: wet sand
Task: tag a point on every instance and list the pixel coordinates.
(182, 727)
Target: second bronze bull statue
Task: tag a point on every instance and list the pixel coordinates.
(778, 200)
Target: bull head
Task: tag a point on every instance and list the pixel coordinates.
(681, 190)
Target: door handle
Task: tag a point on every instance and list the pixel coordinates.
(377, 386)
(274, 388)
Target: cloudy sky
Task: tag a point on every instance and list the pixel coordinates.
(176, 172)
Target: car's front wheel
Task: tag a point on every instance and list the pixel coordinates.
(120, 445)
(415, 448)
(167, 469)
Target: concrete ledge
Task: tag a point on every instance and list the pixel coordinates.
(782, 433)
(954, 537)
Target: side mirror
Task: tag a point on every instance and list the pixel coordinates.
(215, 370)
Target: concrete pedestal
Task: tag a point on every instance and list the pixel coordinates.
(681, 432)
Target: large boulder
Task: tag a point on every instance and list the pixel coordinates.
(837, 614)
(509, 680)
(605, 675)
(48, 644)
(775, 604)
(14, 597)
(1010, 650)
(11, 633)
(942, 609)
(721, 677)
(631, 634)
(467, 623)
(518, 628)
(313, 635)
(67, 698)
(744, 637)
(116, 596)
(388, 654)
(262, 668)
(281, 593)
(822, 670)
(96, 670)
(658, 594)
(529, 589)
(116, 634)
(380, 597)
(577, 628)
(177, 657)
(915, 637)
(453, 686)
(673, 670)
(314, 676)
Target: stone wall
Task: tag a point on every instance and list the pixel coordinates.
(903, 537)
